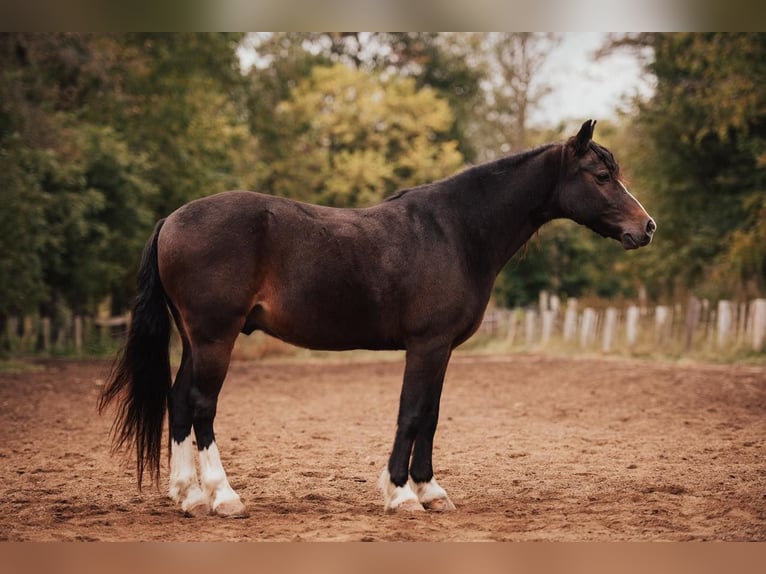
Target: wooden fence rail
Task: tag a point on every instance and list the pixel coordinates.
(73, 334)
(696, 326)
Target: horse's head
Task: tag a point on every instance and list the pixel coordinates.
(590, 192)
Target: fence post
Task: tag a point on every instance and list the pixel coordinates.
(547, 329)
(45, 324)
(77, 322)
(543, 301)
(631, 325)
(570, 319)
(513, 326)
(28, 338)
(725, 322)
(693, 313)
(740, 330)
(554, 304)
(661, 323)
(758, 322)
(588, 329)
(530, 320)
(610, 326)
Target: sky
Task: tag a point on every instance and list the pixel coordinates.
(582, 88)
(586, 89)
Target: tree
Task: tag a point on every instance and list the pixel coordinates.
(184, 107)
(442, 62)
(100, 135)
(701, 144)
(350, 137)
(511, 89)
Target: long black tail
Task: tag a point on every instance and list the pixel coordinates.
(140, 377)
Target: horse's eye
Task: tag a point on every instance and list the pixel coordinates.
(603, 177)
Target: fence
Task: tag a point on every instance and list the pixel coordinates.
(698, 326)
(72, 334)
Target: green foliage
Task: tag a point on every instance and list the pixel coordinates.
(445, 62)
(350, 137)
(102, 134)
(701, 144)
(184, 107)
(22, 231)
(566, 259)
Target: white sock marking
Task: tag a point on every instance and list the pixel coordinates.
(394, 496)
(213, 477)
(183, 484)
(428, 491)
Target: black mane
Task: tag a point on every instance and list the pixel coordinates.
(497, 166)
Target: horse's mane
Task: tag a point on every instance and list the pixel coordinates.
(494, 166)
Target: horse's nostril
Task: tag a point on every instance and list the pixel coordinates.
(650, 226)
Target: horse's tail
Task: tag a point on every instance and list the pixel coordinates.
(140, 377)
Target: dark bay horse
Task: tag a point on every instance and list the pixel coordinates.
(413, 273)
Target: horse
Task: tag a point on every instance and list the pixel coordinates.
(414, 272)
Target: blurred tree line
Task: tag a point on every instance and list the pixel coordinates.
(102, 134)
(695, 154)
(698, 149)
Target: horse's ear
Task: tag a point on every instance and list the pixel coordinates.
(583, 137)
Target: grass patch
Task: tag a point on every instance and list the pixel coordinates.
(14, 366)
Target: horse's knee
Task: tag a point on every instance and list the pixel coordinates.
(409, 424)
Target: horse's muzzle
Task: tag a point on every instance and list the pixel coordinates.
(633, 240)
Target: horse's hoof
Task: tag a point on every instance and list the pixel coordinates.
(411, 505)
(232, 509)
(197, 510)
(443, 504)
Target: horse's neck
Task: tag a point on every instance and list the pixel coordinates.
(504, 203)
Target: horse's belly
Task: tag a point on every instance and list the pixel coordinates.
(324, 326)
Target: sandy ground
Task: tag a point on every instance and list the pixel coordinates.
(528, 447)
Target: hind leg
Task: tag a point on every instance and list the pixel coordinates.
(211, 361)
(183, 485)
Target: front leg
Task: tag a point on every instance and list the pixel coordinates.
(430, 494)
(418, 416)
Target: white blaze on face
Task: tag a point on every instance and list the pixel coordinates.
(633, 197)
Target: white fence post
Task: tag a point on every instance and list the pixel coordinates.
(758, 323)
(77, 324)
(588, 329)
(725, 322)
(570, 320)
(530, 321)
(631, 325)
(543, 301)
(554, 304)
(661, 323)
(610, 326)
(513, 326)
(693, 314)
(547, 330)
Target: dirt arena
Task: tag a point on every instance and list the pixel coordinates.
(528, 447)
